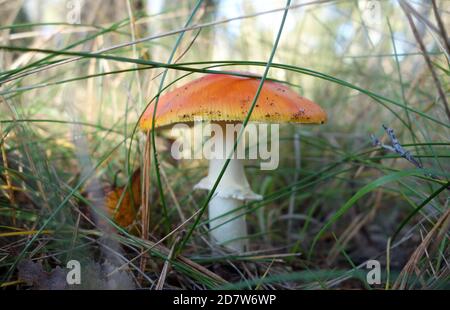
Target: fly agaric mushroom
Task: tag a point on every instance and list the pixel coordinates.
(220, 99)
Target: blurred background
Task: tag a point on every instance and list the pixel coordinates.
(70, 147)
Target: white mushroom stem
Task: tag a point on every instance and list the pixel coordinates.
(227, 219)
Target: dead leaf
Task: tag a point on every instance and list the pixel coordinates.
(125, 213)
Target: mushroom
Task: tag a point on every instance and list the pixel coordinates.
(221, 99)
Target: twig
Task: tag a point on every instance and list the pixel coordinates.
(264, 275)
(290, 214)
(145, 196)
(441, 92)
(397, 148)
(163, 276)
(443, 31)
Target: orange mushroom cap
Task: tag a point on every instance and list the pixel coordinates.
(223, 97)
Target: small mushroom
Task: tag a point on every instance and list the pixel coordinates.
(222, 98)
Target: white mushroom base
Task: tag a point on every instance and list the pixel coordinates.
(228, 227)
(227, 217)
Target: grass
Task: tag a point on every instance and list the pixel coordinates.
(70, 104)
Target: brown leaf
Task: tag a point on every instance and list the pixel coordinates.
(125, 213)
